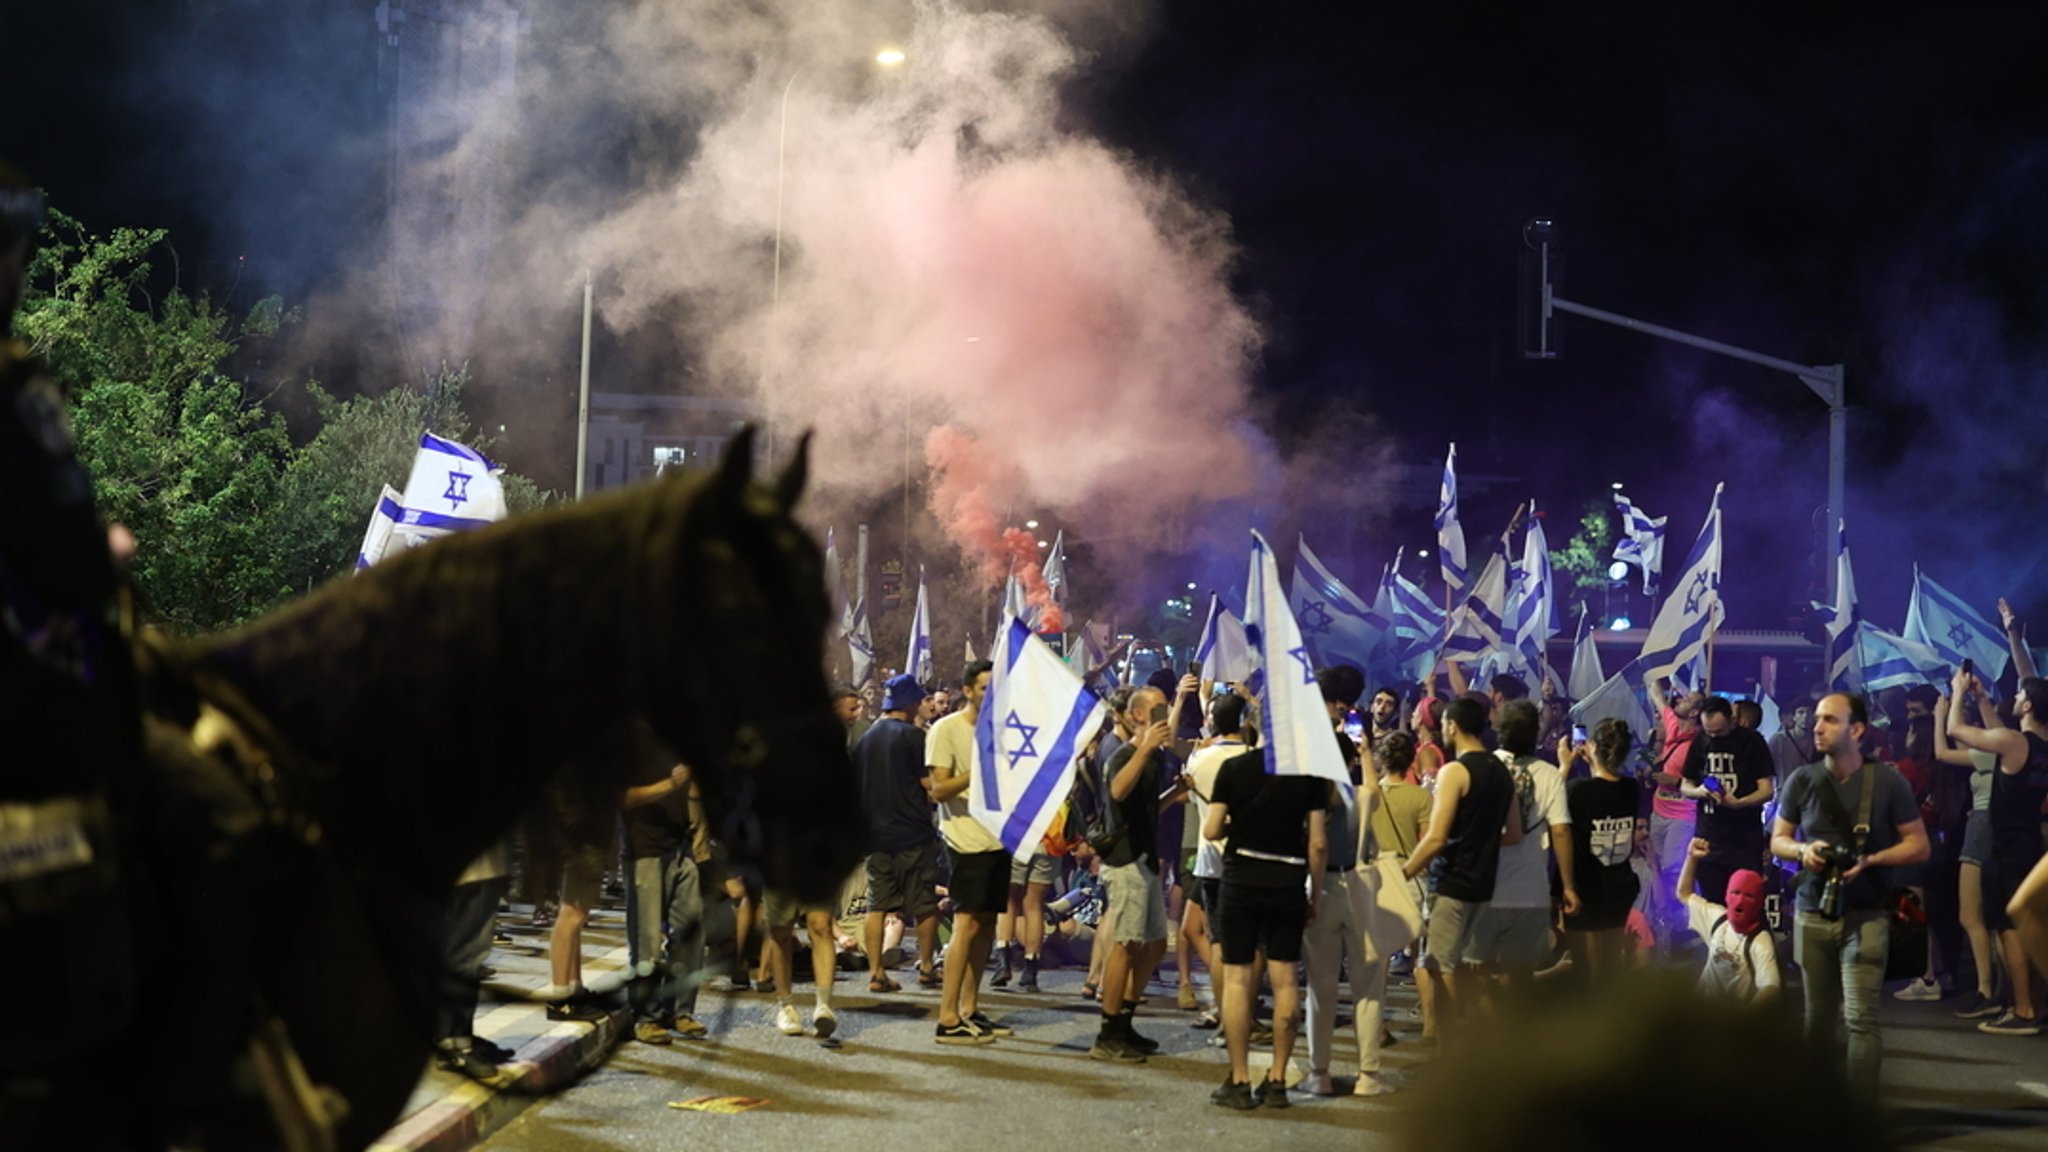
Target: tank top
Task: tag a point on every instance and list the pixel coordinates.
(1471, 858)
(2016, 799)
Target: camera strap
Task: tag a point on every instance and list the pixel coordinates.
(1831, 799)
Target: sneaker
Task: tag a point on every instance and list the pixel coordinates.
(492, 1053)
(1920, 989)
(1319, 1084)
(570, 1010)
(1370, 1084)
(688, 1027)
(1234, 1095)
(649, 1032)
(2012, 1024)
(1027, 980)
(1003, 971)
(963, 1033)
(466, 1062)
(786, 1021)
(1115, 1050)
(980, 1020)
(823, 1022)
(1272, 1093)
(1979, 1007)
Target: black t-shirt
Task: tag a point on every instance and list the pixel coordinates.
(1739, 759)
(1603, 825)
(1466, 868)
(664, 826)
(1138, 811)
(889, 763)
(2016, 806)
(1891, 806)
(1268, 821)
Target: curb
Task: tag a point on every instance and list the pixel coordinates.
(472, 1112)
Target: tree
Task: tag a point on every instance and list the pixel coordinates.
(229, 516)
(1587, 554)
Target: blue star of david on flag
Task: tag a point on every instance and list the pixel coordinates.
(1695, 592)
(1960, 634)
(458, 488)
(1029, 733)
(1315, 617)
(1308, 669)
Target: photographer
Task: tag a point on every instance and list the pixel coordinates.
(1842, 932)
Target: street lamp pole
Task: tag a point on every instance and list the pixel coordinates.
(1827, 381)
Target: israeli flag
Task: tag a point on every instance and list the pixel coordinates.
(1035, 721)
(842, 609)
(383, 519)
(1479, 625)
(452, 489)
(1450, 535)
(1619, 697)
(1015, 607)
(1055, 569)
(860, 643)
(1586, 676)
(1844, 656)
(1641, 543)
(1298, 739)
(1336, 624)
(1419, 627)
(1693, 609)
(919, 661)
(1534, 610)
(1223, 652)
(1889, 660)
(1943, 621)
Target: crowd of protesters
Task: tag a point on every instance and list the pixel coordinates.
(1484, 845)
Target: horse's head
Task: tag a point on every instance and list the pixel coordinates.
(743, 697)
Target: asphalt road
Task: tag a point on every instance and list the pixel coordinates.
(891, 1086)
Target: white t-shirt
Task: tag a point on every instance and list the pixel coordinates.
(1523, 880)
(1201, 772)
(1730, 955)
(949, 752)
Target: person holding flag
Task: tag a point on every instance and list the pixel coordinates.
(981, 868)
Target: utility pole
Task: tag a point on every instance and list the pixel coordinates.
(1827, 381)
(583, 398)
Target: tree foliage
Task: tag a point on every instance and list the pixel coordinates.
(229, 515)
(1587, 554)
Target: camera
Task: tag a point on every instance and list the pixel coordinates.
(1836, 858)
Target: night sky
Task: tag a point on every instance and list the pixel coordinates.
(1857, 184)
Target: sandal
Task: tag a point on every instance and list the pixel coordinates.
(883, 984)
(1091, 991)
(930, 979)
(1206, 1020)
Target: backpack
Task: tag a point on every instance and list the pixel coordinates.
(1749, 953)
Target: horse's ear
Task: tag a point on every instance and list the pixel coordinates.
(737, 469)
(790, 485)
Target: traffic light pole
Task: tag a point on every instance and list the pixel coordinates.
(1827, 381)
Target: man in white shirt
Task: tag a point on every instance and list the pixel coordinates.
(1742, 956)
(1513, 938)
(980, 883)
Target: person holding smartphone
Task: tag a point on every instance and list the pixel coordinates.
(1130, 870)
(1603, 808)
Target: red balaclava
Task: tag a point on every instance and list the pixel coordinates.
(1746, 901)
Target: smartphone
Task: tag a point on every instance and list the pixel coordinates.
(1159, 713)
(1195, 669)
(1969, 666)
(1578, 733)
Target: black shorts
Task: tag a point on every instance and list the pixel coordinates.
(1251, 919)
(1604, 902)
(2002, 876)
(981, 882)
(902, 881)
(1205, 894)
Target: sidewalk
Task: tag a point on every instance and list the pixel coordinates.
(449, 1112)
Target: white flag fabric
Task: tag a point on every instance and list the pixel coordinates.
(1533, 603)
(1035, 722)
(1334, 620)
(1889, 660)
(452, 489)
(1693, 609)
(1619, 697)
(1477, 628)
(1418, 627)
(1641, 543)
(1844, 657)
(1298, 739)
(1450, 535)
(1055, 568)
(1015, 607)
(842, 608)
(1946, 623)
(1224, 652)
(860, 643)
(918, 662)
(377, 540)
(1773, 718)
(1586, 676)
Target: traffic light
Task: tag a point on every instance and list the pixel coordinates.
(1534, 325)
